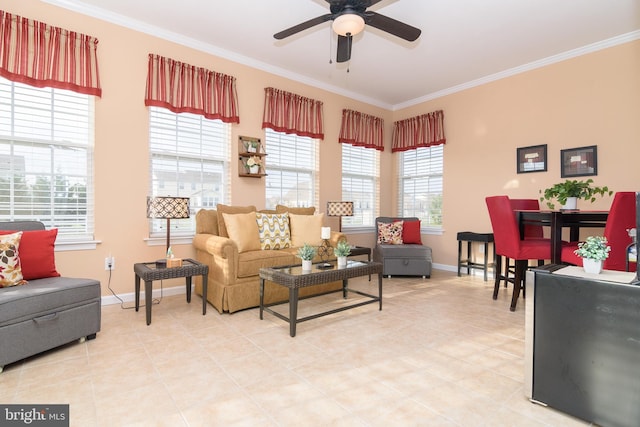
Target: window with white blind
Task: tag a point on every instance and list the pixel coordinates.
(46, 158)
(291, 167)
(420, 192)
(360, 184)
(189, 158)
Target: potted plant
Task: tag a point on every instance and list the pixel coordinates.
(253, 164)
(306, 253)
(252, 146)
(569, 191)
(342, 251)
(593, 252)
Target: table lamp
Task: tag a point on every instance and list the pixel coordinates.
(167, 208)
(340, 209)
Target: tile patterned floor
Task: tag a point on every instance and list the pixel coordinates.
(440, 353)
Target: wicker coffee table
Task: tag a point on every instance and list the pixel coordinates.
(294, 278)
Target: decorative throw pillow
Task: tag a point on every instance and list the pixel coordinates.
(411, 232)
(273, 230)
(296, 211)
(222, 209)
(243, 230)
(306, 229)
(390, 233)
(10, 271)
(37, 253)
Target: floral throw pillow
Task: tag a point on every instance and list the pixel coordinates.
(390, 233)
(10, 271)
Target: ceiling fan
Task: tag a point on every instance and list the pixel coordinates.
(349, 18)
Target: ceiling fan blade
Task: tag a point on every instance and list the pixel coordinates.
(303, 26)
(344, 48)
(392, 26)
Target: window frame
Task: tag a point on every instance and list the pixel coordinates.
(370, 173)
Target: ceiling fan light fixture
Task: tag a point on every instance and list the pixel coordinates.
(348, 23)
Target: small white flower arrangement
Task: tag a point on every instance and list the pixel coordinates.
(254, 161)
(595, 248)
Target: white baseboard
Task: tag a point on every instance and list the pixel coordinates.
(157, 293)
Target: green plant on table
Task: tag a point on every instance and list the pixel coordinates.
(307, 252)
(572, 188)
(343, 248)
(595, 247)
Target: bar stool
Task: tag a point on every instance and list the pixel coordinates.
(470, 237)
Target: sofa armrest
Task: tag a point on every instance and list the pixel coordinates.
(336, 236)
(220, 254)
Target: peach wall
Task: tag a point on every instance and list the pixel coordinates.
(590, 100)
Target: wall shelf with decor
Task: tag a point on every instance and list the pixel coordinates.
(251, 157)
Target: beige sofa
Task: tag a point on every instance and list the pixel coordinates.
(225, 241)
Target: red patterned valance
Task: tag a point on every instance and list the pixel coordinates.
(290, 113)
(420, 131)
(362, 130)
(183, 88)
(41, 55)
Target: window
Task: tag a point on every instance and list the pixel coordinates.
(291, 167)
(189, 158)
(360, 184)
(421, 184)
(46, 158)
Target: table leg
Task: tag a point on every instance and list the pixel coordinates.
(486, 260)
(148, 290)
(205, 279)
(369, 260)
(137, 287)
(556, 238)
(262, 297)
(188, 280)
(345, 282)
(293, 310)
(380, 288)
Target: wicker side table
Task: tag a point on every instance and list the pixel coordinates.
(148, 272)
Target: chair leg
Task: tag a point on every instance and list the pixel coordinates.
(496, 286)
(506, 271)
(521, 268)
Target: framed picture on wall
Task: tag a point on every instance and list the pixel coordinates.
(581, 161)
(532, 159)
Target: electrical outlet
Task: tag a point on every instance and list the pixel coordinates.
(110, 263)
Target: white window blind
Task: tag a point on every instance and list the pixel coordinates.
(189, 158)
(420, 182)
(46, 158)
(291, 167)
(360, 184)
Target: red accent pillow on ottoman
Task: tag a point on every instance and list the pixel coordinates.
(36, 253)
(411, 232)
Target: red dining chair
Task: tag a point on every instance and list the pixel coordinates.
(531, 231)
(622, 216)
(508, 244)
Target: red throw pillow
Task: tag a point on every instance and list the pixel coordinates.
(36, 253)
(411, 232)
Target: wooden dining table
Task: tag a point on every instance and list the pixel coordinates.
(557, 220)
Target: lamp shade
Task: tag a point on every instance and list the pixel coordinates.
(339, 208)
(348, 23)
(168, 207)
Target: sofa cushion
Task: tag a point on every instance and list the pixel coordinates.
(273, 230)
(10, 270)
(306, 229)
(243, 230)
(250, 263)
(390, 233)
(297, 211)
(222, 209)
(411, 232)
(207, 222)
(37, 253)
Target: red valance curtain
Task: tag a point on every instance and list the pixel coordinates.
(420, 131)
(183, 88)
(290, 113)
(362, 130)
(41, 55)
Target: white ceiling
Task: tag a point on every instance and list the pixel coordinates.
(463, 42)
